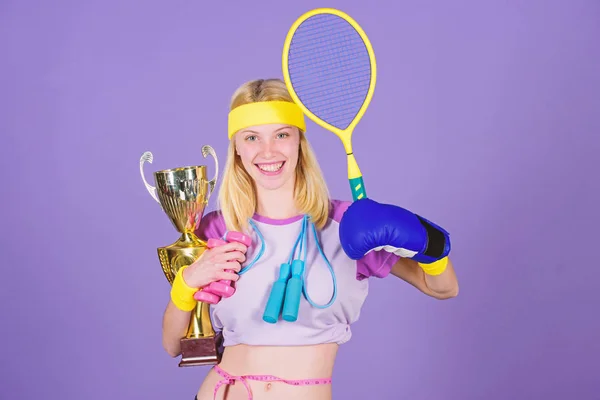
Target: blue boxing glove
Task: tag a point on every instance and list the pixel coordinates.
(367, 225)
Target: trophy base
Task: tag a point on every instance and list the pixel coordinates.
(201, 351)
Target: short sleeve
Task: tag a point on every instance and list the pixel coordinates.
(376, 264)
(212, 226)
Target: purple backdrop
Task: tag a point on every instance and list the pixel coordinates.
(485, 119)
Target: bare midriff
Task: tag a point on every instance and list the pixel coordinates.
(292, 363)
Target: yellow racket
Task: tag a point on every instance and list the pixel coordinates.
(330, 71)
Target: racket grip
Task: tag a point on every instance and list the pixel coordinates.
(357, 185)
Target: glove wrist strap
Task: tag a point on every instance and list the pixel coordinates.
(436, 267)
(182, 295)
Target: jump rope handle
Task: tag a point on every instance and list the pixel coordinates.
(275, 302)
(213, 293)
(285, 293)
(293, 292)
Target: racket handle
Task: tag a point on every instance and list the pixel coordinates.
(357, 186)
(355, 177)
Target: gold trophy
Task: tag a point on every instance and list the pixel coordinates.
(183, 194)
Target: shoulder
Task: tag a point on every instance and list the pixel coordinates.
(337, 208)
(373, 264)
(212, 225)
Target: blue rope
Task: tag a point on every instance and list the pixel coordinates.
(301, 240)
(304, 290)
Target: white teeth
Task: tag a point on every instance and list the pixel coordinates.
(271, 167)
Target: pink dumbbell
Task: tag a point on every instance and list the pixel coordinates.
(212, 293)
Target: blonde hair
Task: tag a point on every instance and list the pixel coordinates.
(237, 193)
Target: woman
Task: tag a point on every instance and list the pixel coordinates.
(272, 189)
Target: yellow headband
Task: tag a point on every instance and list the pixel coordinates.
(265, 112)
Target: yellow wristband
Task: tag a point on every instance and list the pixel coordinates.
(181, 294)
(436, 267)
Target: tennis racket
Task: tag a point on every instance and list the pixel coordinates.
(329, 69)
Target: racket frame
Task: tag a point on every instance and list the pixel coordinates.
(345, 135)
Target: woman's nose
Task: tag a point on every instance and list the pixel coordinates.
(268, 147)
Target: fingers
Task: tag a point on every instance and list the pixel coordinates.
(232, 265)
(227, 252)
(229, 276)
(225, 258)
(233, 246)
(231, 256)
(228, 266)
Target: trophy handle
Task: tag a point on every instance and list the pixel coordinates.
(147, 156)
(207, 150)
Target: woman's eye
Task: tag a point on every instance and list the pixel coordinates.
(283, 135)
(251, 137)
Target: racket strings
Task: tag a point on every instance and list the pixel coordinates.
(332, 73)
(314, 26)
(330, 69)
(341, 42)
(326, 105)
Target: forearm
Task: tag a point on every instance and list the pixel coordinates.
(444, 285)
(175, 325)
(441, 286)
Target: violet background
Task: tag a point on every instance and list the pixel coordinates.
(484, 119)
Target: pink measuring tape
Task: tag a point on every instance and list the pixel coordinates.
(231, 379)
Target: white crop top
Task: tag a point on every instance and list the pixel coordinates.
(239, 317)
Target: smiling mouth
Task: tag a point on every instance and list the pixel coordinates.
(271, 167)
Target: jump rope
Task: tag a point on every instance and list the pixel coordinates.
(288, 289)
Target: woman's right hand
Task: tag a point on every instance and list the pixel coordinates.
(211, 266)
